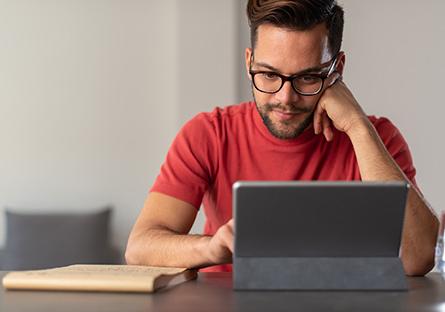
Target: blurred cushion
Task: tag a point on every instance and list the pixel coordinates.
(35, 241)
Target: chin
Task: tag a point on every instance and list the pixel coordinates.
(287, 132)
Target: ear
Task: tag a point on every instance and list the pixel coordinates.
(340, 63)
(248, 56)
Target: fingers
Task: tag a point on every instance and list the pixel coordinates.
(317, 119)
(220, 247)
(226, 235)
(228, 242)
(327, 130)
(322, 123)
(230, 237)
(231, 223)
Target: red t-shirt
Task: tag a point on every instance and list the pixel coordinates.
(214, 150)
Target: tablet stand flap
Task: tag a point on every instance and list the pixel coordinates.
(330, 273)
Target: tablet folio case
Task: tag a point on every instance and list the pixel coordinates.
(318, 235)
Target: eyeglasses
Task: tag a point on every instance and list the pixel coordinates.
(304, 84)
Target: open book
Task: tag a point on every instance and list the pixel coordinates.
(97, 277)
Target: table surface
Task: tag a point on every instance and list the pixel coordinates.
(213, 292)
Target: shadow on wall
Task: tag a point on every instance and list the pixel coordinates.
(45, 240)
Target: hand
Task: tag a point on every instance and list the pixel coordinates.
(337, 106)
(220, 246)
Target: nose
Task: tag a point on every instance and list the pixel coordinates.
(287, 94)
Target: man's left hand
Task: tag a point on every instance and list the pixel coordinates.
(337, 106)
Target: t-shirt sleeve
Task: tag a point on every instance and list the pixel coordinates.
(189, 168)
(396, 146)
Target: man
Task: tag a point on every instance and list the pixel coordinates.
(304, 124)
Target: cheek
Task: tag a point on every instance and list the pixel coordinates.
(263, 98)
(309, 102)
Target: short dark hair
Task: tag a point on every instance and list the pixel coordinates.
(298, 15)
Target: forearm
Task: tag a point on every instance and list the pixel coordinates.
(420, 224)
(162, 247)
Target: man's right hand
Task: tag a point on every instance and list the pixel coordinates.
(220, 246)
(160, 237)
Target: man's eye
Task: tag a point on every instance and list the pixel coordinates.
(309, 79)
(270, 76)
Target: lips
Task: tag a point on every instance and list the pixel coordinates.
(284, 115)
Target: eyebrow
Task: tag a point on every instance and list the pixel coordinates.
(316, 69)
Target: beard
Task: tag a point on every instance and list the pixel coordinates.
(284, 129)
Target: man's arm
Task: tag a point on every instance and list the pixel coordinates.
(420, 225)
(159, 237)
(338, 105)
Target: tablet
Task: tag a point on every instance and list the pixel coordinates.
(318, 219)
(318, 235)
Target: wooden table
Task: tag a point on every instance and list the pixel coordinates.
(213, 292)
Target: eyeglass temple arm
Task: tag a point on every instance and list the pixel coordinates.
(333, 66)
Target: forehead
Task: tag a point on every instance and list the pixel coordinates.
(291, 50)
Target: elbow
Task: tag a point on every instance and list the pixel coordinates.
(133, 252)
(419, 271)
(130, 258)
(143, 248)
(130, 255)
(139, 250)
(419, 267)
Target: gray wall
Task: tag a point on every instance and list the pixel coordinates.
(93, 91)
(82, 86)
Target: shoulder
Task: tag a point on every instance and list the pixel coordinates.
(396, 145)
(380, 121)
(389, 134)
(220, 117)
(228, 113)
(385, 127)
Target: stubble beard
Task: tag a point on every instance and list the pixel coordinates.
(291, 129)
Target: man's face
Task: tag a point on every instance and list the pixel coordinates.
(287, 113)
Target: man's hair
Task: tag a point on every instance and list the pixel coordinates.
(297, 15)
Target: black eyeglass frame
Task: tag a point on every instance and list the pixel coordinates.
(291, 78)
